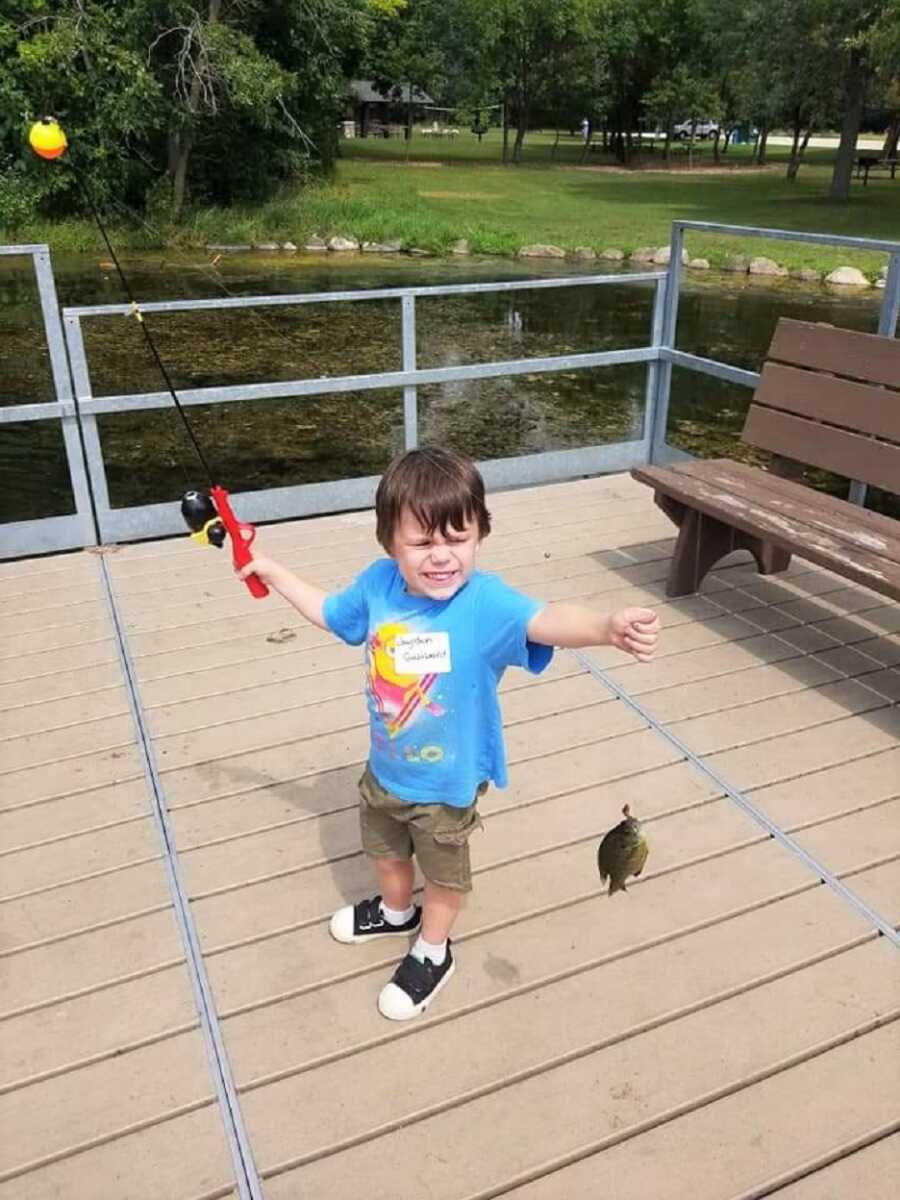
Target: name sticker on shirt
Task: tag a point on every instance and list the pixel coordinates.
(422, 653)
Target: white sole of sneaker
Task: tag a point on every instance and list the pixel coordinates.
(373, 937)
(420, 1008)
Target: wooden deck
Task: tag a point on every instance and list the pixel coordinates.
(728, 1029)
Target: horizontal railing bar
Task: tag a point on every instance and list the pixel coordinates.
(710, 366)
(454, 289)
(790, 235)
(43, 535)
(284, 503)
(92, 406)
(36, 248)
(50, 410)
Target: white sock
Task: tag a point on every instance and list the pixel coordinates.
(436, 951)
(397, 916)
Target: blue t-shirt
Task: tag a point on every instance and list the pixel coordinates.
(432, 671)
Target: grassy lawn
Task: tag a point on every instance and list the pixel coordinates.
(446, 190)
(436, 190)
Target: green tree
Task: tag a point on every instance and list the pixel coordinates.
(406, 55)
(658, 64)
(519, 44)
(680, 91)
(156, 95)
(865, 36)
(71, 60)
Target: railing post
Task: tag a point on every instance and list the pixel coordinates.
(890, 304)
(85, 427)
(887, 327)
(62, 383)
(669, 322)
(652, 397)
(410, 394)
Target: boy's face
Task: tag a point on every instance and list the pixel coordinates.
(431, 564)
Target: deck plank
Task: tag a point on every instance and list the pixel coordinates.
(873, 1172)
(624, 1084)
(783, 1122)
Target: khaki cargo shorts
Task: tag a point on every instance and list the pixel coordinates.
(437, 834)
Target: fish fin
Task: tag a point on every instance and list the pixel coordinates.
(642, 858)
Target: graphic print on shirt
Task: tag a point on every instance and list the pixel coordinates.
(398, 698)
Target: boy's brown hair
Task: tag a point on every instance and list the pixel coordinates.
(440, 488)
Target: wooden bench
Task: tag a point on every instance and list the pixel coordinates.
(829, 398)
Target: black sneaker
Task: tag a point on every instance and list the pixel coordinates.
(364, 921)
(413, 987)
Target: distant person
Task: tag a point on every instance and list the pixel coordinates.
(585, 129)
(439, 635)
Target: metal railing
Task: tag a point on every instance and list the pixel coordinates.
(889, 312)
(77, 408)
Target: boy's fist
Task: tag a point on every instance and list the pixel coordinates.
(636, 631)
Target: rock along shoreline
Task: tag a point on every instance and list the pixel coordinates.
(760, 267)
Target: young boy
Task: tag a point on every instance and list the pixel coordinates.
(439, 635)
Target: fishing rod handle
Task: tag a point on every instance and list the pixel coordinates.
(242, 535)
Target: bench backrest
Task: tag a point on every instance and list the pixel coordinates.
(831, 398)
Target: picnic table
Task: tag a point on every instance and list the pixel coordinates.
(874, 162)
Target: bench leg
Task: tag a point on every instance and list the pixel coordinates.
(770, 559)
(702, 541)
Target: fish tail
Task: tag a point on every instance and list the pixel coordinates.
(617, 886)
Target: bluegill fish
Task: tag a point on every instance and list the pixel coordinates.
(622, 852)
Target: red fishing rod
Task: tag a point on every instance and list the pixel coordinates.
(208, 514)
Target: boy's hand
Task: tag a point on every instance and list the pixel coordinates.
(265, 568)
(636, 631)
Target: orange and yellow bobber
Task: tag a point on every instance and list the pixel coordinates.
(47, 139)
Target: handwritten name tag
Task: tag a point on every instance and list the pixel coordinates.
(422, 653)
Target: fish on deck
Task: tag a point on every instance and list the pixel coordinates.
(622, 852)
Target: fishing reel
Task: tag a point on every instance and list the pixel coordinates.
(210, 519)
(202, 518)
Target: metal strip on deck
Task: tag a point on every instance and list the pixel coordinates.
(246, 1175)
(756, 814)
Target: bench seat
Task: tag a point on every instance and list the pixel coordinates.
(755, 510)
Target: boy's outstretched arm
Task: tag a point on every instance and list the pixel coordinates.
(634, 630)
(305, 597)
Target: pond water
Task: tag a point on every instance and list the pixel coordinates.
(256, 444)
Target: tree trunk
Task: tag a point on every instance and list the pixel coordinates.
(521, 130)
(891, 138)
(182, 142)
(794, 160)
(505, 130)
(797, 154)
(586, 142)
(854, 98)
(761, 142)
(797, 127)
(179, 176)
(716, 147)
(670, 121)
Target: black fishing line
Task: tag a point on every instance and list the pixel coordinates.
(135, 308)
